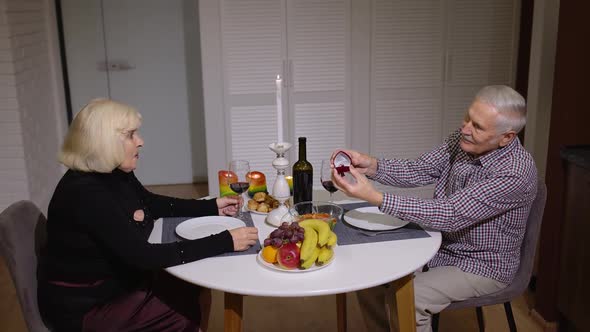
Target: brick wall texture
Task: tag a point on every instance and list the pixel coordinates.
(31, 118)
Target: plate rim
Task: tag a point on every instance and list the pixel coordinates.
(242, 224)
(272, 267)
(384, 228)
(256, 212)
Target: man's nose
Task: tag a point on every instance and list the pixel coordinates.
(466, 129)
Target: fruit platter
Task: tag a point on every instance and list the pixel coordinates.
(302, 246)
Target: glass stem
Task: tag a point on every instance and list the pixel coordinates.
(239, 206)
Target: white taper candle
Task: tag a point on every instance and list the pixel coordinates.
(279, 82)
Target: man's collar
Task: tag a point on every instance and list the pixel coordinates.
(491, 157)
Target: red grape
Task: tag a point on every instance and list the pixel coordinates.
(277, 243)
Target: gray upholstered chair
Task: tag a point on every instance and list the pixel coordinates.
(22, 234)
(523, 275)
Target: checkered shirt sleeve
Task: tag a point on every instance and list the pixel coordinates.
(480, 205)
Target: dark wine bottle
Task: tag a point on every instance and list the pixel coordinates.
(302, 175)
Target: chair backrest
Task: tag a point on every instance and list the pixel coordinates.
(527, 258)
(22, 235)
(531, 237)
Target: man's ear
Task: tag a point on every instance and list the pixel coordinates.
(507, 138)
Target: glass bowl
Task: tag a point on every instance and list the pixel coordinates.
(329, 212)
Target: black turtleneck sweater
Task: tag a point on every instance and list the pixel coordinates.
(92, 235)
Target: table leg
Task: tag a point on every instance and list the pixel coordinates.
(233, 312)
(404, 297)
(341, 312)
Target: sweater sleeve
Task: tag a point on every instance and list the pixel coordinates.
(164, 206)
(99, 213)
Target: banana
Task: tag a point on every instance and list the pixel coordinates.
(332, 239)
(325, 255)
(310, 241)
(308, 263)
(321, 227)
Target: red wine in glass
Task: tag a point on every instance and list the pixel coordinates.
(329, 186)
(326, 178)
(239, 187)
(238, 179)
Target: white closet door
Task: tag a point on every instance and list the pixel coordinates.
(482, 51)
(150, 37)
(407, 75)
(318, 50)
(145, 41)
(252, 55)
(84, 43)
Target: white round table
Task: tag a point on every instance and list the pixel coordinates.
(354, 267)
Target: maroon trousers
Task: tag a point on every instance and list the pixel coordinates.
(170, 304)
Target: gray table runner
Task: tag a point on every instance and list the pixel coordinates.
(169, 233)
(347, 234)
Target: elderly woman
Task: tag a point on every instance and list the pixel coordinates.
(97, 271)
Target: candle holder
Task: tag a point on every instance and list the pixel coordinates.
(280, 189)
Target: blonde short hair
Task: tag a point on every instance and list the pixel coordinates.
(94, 142)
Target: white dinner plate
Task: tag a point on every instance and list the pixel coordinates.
(254, 211)
(370, 218)
(276, 267)
(197, 228)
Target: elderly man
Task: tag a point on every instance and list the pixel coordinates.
(485, 186)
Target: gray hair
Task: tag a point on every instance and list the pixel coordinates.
(510, 105)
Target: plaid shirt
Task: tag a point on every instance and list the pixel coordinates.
(480, 204)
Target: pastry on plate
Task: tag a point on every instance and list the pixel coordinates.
(252, 205)
(263, 207)
(259, 196)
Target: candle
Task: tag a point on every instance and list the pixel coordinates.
(279, 109)
(289, 179)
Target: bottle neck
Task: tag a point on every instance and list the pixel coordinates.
(302, 151)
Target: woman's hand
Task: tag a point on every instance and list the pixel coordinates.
(228, 205)
(361, 188)
(244, 237)
(364, 164)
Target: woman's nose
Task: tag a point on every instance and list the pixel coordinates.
(138, 140)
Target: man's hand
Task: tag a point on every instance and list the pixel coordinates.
(365, 164)
(244, 237)
(228, 205)
(362, 188)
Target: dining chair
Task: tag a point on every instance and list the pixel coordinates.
(22, 235)
(523, 274)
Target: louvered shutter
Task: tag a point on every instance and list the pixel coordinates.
(252, 36)
(482, 51)
(406, 76)
(427, 58)
(318, 51)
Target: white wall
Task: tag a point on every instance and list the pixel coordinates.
(32, 117)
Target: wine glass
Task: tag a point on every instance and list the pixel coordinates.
(326, 178)
(238, 179)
